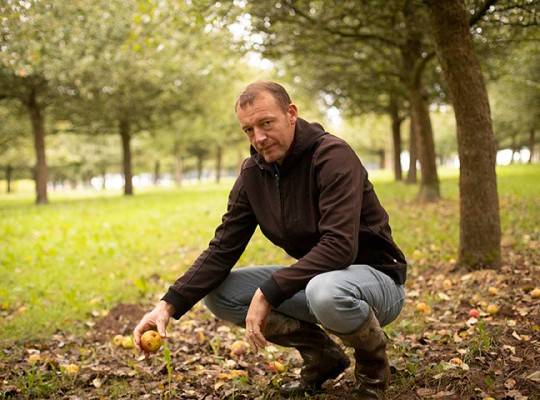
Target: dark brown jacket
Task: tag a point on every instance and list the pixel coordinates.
(319, 207)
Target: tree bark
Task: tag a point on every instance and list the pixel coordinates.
(413, 155)
(413, 66)
(157, 169)
(396, 139)
(480, 231)
(531, 145)
(179, 169)
(429, 179)
(9, 172)
(125, 133)
(38, 128)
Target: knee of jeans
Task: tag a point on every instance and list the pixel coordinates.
(224, 310)
(324, 302)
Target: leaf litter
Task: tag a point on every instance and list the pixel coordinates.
(436, 351)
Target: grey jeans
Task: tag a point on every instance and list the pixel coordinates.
(338, 300)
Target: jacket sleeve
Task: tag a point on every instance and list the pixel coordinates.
(340, 179)
(214, 264)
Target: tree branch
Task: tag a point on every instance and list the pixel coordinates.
(481, 12)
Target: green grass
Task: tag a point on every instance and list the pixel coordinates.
(87, 251)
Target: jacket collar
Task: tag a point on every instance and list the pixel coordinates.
(305, 135)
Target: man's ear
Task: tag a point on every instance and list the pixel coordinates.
(293, 113)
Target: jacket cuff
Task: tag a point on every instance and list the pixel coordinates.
(272, 292)
(180, 305)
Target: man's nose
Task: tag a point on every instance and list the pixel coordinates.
(260, 135)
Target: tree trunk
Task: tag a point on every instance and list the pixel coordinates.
(429, 180)
(157, 167)
(38, 127)
(480, 230)
(413, 155)
(531, 145)
(414, 63)
(179, 169)
(219, 163)
(125, 133)
(396, 139)
(9, 172)
(199, 167)
(382, 158)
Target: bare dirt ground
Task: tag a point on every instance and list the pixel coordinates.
(437, 350)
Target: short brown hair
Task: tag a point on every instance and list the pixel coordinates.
(254, 89)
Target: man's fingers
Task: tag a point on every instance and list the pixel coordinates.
(255, 339)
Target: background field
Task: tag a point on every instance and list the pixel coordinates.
(66, 264)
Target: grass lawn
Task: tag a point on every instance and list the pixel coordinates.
(65, 264)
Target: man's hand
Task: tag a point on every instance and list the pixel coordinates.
(256, 321)
(157, 319)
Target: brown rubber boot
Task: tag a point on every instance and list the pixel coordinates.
(323, 358)
(372, 370)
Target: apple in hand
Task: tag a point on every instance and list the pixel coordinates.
(151, 341)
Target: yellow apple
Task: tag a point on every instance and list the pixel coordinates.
(238, 348)
(423, 308)
(71, 369)
(492, 309)
(151, 341)
(276, 367)
(117, 340)
(127, 342)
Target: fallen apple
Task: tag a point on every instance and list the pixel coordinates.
(535, 293)
(117, 340)
(238, 348)
(71, 369)
(151, 341)
(276, 367)
(127, 342)
(423, 308)
(474, 313)
(447, 284)
(493, 291)
(492, 309)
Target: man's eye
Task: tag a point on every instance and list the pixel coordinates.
(248, 131)
(266, 124)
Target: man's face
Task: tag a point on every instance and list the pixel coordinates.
(269, 129)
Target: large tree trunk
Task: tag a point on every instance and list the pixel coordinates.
(125, 133)
(429, 181)
(480, 231)
(396, 139)
(38, 127)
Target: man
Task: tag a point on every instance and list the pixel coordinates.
(309, 194)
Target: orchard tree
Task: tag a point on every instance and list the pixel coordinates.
(374, 53)
(480, 231)
(15, 142)
(36, 50)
